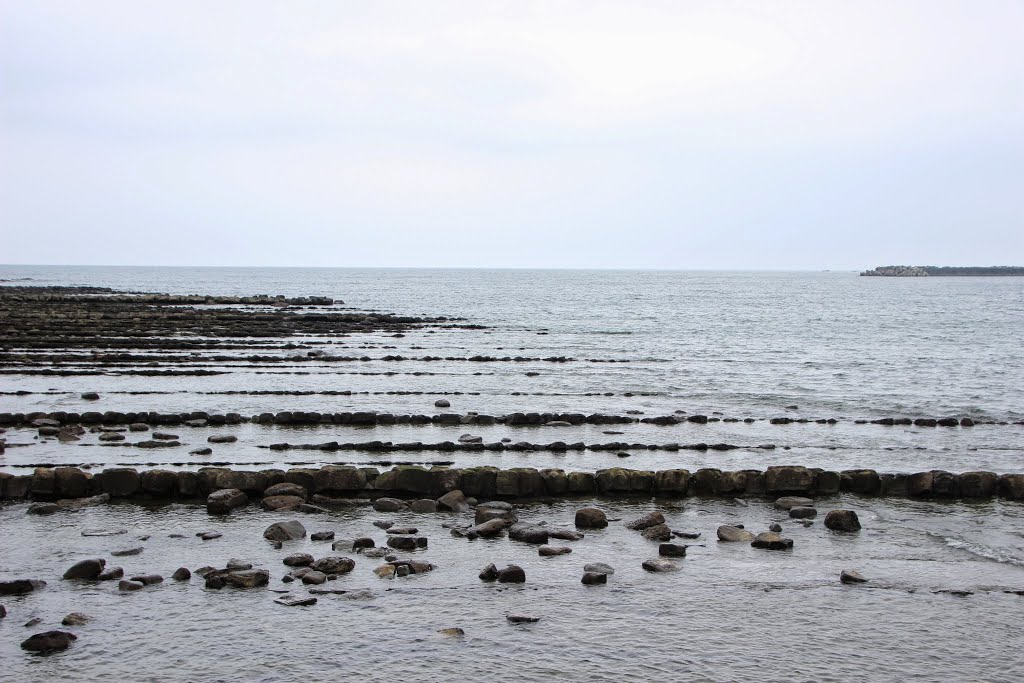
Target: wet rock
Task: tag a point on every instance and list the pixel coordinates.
(842, 520)
(291, 530)
(789, 502)
(50, 641)
(521, 619)
(488, 529)
(181, 574)
(776, 527)
(334, 565)
(771, 541)
(3, 611)
(489, 511)
(672, 550)
(646, 521)
(791, 479)
(75, 619)
(528, 533)
(454, 501)
(314, 578)
(565, 534)
(201, 451)
(295, 600)
(282, 503)
(442, 403)
(451, 631)
(128, 586)
(389, 505)
(399, 530)
(34, 621)
(594, 578)
(286, 488)
(90, 396)
(86, 569)
(803, 513)
(298, 560)
(659, 566)
(361, 543)
(224, 501)
(148, 579)
(322, 536)
(407, 542)
(591, 518)
(20, 586)
(164, 436)
(42, 508)
(385, 571)
(658, 532)
(598, 568)
(111, 574)
(850, 576)
(138, 427)
(222, 438)
(732, 534)
(247, 578)
(209, 535)
(512, 574)
(489, 573)
(127, 552)
(424, 505)
(686, 534)
(551, 550)
(977, 484)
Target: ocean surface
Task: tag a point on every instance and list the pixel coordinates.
(943, 602)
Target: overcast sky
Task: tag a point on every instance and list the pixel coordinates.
(558, 134)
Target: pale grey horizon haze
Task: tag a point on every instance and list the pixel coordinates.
(691, 135)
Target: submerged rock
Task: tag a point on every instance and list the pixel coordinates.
(659, 566)
(181, 574)
(803, 512)
(521, 619)
(850, 576)
(594, 578)
(128, 586)
(75, 619)
(512, 574)
(646, 521)
(20, 586)
(295, 601)
(789, 502)
(111, 573)
(598, 568)
(672, 550)
(658, 532)
(550, 550)
(732, 534)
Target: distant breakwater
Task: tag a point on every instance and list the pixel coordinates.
(321, 489)
(943, 271)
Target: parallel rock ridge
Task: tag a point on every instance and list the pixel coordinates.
(225, 489)
(928, 271)
(58, 423)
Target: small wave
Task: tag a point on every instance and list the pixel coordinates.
(984, 551)
(611, 332)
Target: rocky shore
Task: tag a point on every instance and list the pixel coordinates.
(944, 271)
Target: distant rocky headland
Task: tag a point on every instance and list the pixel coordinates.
(926, 271)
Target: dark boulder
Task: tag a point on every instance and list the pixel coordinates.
(594, 578)
(86, 569)
(771, 541)
(842, 520)
(512, 574)
(646, 521)
(285, 531)
(50, 641)
(224, 501)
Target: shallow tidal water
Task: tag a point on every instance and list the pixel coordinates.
(943, 599)
(940, 604)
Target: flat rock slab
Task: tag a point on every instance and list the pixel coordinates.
(732, 534)
(788, 502)
(521, 619)
(127, 552)
(295, 601)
